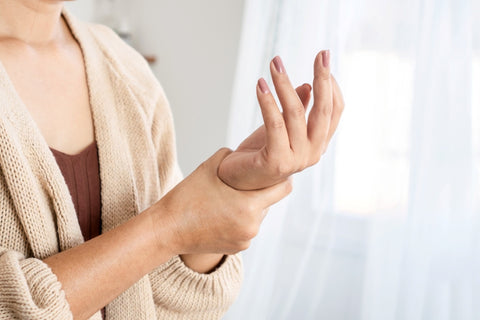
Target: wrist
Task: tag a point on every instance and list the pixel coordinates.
(163, 230)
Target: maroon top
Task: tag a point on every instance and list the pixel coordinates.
(81, 173)
(82, 176)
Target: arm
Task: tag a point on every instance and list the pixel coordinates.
(200, 207)
(110, 263)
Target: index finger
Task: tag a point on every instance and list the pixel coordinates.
(275, 129)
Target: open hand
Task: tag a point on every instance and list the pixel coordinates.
(286, 143)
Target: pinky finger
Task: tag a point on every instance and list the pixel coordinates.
(303, 93)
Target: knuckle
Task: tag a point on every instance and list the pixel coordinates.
(283, 168)
(327, 109)
(305, 164)
(316, 153)
(303, 161)
(322, 75)
(316, 158)
(259, 162)
(299, 167)
(297, 111)
(276, 123)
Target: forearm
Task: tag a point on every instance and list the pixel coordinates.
(96, 272)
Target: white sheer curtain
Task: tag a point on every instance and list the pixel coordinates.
(387, 226)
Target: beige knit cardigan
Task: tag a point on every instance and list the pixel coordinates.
(135, 137)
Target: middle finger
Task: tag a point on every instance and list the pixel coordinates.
(293, 109)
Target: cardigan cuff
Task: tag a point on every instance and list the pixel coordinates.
(30, 290)
(179, 290)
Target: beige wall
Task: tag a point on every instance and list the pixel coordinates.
(196, 43)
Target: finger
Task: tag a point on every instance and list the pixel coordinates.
(271, 195)
(321, 113)
(293, 109)
(303, 93)
(276, 136)
(338, 106)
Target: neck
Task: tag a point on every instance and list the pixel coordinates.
(35, 22)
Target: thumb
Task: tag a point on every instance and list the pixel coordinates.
(214, 161)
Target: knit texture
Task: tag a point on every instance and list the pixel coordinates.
(136, 145)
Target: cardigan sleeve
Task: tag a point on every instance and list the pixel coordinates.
(29, 289)
(179, 292)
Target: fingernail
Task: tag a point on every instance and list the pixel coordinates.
(326, 58)
(277, 62)
(262, 84)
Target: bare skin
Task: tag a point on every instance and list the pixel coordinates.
(45, 64)
(38, 57)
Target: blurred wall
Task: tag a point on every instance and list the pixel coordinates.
(83, 9)
(196, 44)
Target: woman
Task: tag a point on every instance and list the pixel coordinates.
(73, 91)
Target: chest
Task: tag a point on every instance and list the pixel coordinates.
(52, 85)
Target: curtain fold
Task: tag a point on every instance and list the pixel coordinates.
(387, 225)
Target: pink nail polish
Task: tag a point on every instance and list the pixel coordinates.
(262, 84)
(326, 58)
(277, 62)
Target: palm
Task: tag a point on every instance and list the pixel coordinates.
(250, 153)
(254, 142)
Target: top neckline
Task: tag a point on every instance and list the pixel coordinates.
(85, 150)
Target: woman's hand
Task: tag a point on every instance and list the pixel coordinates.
(286, 143)
(204, 215)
